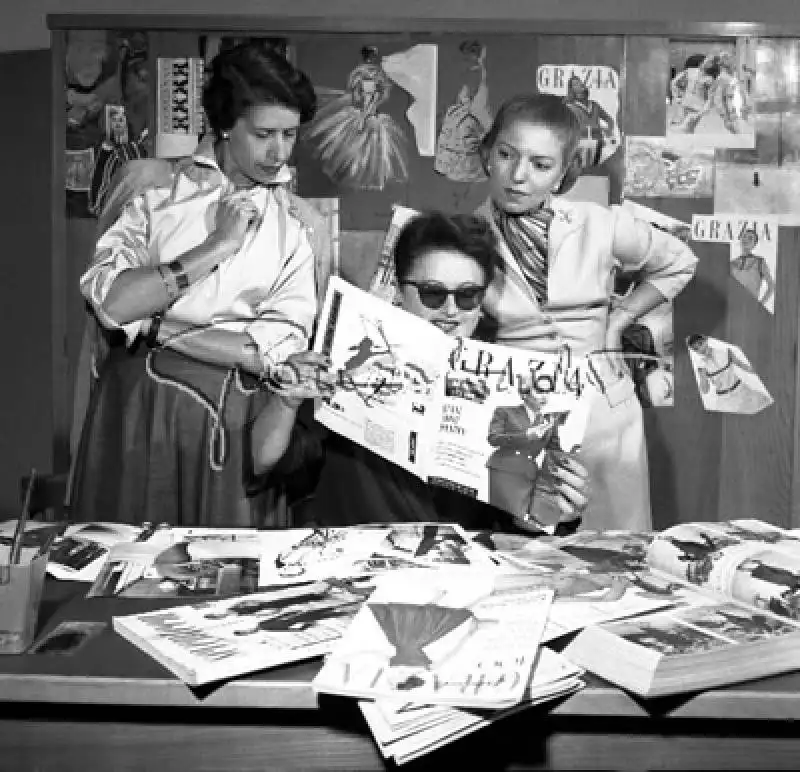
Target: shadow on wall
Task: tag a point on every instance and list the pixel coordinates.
(25, 291)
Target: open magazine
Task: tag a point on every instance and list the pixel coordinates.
(467, 640)
(475, 417)
(212, 641)
(743, 621)
(182, 562)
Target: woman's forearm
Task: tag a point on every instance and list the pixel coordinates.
(643, 299)
(141, 292)
(271, 433)
(211, 345)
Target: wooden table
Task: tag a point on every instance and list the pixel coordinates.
(111, 707)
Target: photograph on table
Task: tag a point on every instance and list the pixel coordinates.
(753, 250)
(710, 94)
(764, 182)
(668, 166)
(466, 120)
(592, 93)
(725, 378)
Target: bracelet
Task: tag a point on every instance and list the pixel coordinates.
(170, 285)
(180, 275)
(152, 334)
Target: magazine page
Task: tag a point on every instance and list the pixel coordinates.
(741, 560)
(503, 411)
(210, 641)
(467, 639)
(406, 730)
(184, 562)
(388, 365)
(596, 576)
(317, 553)
(80, 553)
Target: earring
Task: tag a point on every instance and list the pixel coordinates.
(226, 135)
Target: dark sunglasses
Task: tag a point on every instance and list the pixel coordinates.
(434, 295)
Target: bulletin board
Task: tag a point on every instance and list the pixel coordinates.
(706, 178)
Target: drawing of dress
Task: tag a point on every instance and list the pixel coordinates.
(410, 627)
(356, 145)
(464, 124)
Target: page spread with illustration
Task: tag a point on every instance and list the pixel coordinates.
(475, 417)
(748, 561)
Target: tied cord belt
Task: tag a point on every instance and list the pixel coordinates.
(218, 441)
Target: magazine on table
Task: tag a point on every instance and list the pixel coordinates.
(80, 552)
(596, 576)
(216, 640)
(475, 417)
(184, 562)
(404, 731)
(466, 639)
(371, 549)
(743, 621)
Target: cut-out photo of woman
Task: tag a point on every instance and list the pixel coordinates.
(357, 145)
(464, 124)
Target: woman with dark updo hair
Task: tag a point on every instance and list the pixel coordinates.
(204, 277)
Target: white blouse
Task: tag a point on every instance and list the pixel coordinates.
(265, 290)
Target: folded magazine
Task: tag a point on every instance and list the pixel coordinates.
(466, 639)
(475, 417)
(743, 621)
(404, 731)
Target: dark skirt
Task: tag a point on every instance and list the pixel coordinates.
(167, 439)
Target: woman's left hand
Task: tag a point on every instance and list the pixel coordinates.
(305, 375)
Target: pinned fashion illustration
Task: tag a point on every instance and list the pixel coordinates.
(708, 94)
(112, 154)
(357, 145)
(726, 379)
(464, 124)
(592, 94)
(752, 271)
(597, 125)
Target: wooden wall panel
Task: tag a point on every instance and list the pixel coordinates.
(758, 451)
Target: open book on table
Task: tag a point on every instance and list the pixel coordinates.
(743, 622)
(475, 417)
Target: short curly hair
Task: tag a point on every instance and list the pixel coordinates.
(248, 75)
(468, 234)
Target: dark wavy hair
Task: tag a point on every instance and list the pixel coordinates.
(470, 235)
(248, 75)
(541, 110)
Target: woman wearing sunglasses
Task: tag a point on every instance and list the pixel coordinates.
(444, 265)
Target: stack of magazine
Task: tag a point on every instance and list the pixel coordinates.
(742, 623)
(435, 657)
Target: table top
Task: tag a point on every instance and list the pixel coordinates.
(110, 670)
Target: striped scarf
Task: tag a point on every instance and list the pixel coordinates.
(527, 237)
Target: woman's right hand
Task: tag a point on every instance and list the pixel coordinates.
(235, 214)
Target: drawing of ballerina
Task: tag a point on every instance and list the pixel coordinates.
(464, 124)
(357, 145)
